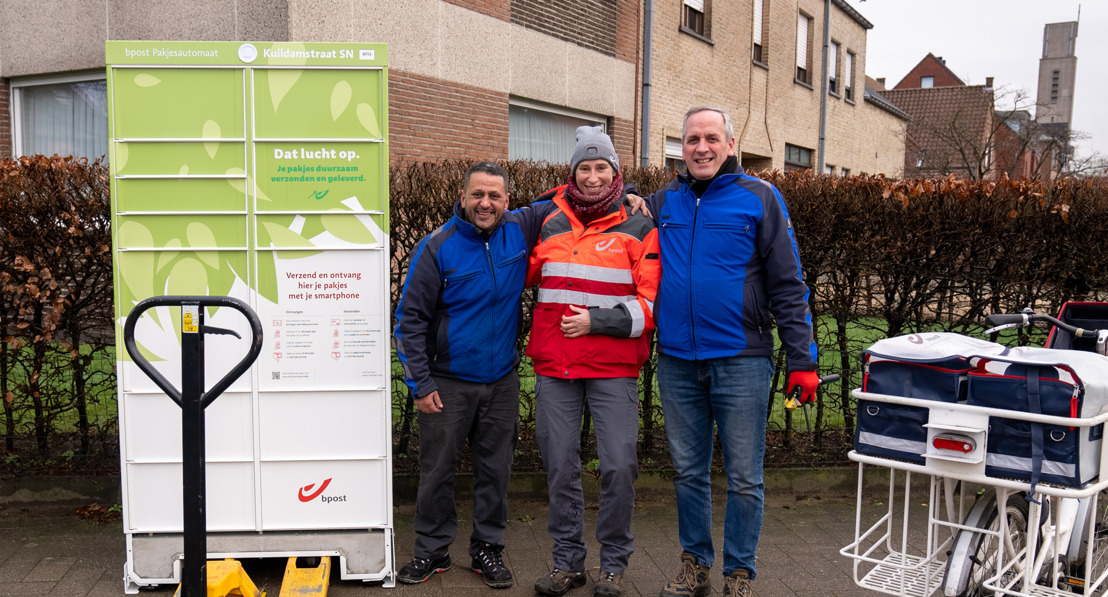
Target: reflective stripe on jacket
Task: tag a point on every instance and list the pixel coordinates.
(612, 267)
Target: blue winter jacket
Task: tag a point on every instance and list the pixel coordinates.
(730, 267)
(458, 315)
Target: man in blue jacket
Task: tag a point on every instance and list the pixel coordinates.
(730, 268)
(458, 320)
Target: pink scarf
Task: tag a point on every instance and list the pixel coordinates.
(590, 207)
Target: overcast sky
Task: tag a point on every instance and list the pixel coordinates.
(1002, 39)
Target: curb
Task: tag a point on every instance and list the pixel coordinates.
(825, 482)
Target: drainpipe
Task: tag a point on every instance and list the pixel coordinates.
(647, 27)
(823, 87)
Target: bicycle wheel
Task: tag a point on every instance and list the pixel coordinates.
(974, 556)
(1078, 576)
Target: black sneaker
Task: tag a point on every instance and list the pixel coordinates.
(490, 566)
(420, 569)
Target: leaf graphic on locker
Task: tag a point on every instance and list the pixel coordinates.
(239, 184)
(348, 228)
(199, 235)
(368, 118)
(188, 276)
(184, 170)
(267, 276)
(280, 81)
(340, 99)
(121, 154)
(145, 80)
(135, 235)
(281, 236)
(166, 257)
(138, 276)
(211, 130)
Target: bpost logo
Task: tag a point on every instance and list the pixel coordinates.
(306, 494)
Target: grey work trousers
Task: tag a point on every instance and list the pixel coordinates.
(614, 405)
(486, 415)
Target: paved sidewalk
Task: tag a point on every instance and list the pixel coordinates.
(47, 550)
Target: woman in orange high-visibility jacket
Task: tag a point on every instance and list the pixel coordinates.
(597, 270)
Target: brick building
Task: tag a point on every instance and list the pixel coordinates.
(930, 72)
(460, 70)
(762, 61)
(494, 78)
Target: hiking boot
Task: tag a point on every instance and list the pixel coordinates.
(738, 585)
(691, 581)
(609, 585)
(490, 566)
(559, 582)
(420, 569)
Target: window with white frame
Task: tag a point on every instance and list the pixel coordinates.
(803, 48)
(848, 76)
(927, 82)
(545, 133)
(675, 160)
(759, 52)
(65, 115)
(694, 16)
(833, 68)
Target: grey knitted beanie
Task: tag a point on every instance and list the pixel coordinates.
(593, 144)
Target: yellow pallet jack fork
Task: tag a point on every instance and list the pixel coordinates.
(305, 582)
(226, 577)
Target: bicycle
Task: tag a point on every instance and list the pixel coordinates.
(1049, 538)
(1063, 558)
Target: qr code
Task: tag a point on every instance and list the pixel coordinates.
(276, 375)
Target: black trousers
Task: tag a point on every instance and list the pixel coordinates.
(486, 416)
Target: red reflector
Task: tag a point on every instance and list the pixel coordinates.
(964, 445)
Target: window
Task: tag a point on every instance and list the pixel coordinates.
(848, 77)
(675, 161)
(758, 33)
(693, 19)
(797, 158)
(844, 172)
(61, 115)
(545, 133)
(926, 82)
(1054, 86)
(828, 169)
(833, 68)
(803, 48)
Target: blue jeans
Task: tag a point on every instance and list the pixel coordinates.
(733, 393)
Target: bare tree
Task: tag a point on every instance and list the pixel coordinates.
(959, 130)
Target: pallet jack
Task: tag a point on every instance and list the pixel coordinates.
(200, 577)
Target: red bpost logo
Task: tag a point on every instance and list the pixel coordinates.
(304, 497)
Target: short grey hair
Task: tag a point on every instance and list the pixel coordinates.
(728, 128)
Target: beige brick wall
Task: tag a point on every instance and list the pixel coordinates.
(768, 107)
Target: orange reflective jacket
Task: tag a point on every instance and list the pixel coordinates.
(610, 266)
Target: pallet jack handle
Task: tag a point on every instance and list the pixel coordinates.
(193, 400)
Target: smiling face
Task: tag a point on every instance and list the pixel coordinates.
(484, 200)
(594, 176)
(706, 146)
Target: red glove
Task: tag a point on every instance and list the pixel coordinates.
(807, 381)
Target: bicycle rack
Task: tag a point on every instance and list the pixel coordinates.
(193, 400)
